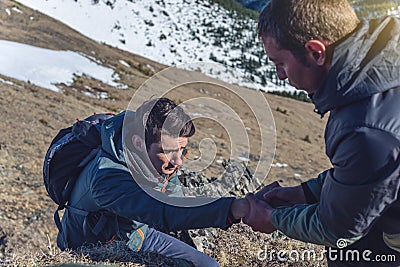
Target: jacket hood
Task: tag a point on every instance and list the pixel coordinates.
(113, 132)
(111, 137)
(365, 63)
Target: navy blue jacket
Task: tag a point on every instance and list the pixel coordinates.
(362, 137)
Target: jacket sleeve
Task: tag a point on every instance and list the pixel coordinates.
(115, 190)
(362, 184)
(312, 188)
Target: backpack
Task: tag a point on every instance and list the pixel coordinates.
(70, 151)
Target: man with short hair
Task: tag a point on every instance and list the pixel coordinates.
(128, 186)
(350, 69)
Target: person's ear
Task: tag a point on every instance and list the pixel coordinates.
(317, 51)
(138, 143)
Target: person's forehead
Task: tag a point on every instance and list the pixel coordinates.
(270, 44)
(274, 52)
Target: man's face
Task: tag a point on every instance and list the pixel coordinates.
(166, 155)
(307, 76)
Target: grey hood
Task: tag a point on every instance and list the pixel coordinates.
(111, 137)
(113, 132)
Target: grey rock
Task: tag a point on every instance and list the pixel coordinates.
(237, 181)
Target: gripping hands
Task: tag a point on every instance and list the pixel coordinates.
(262, 204)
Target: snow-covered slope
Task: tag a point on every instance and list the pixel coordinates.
(394, 11)
(172, 32)
(46, 68)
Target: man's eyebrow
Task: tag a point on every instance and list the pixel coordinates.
(172, 149)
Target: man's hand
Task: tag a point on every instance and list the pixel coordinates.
(273, 201)
(239, 208)
(259, 214)
(266, 188)
(285, 196)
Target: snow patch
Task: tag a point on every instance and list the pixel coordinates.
(17, 10)
(279, 165)
(394, 11)
(45, 68)
(99, 95)
(6, 82)
(243, 159)
(124, 63)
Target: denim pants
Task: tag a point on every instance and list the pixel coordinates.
(171, 247)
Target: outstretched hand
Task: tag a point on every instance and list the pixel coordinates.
(285, 196)
(266, 188)
(274, 201)
(258, 217)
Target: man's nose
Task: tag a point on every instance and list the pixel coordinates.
(176, 159)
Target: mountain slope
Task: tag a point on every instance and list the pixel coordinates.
(173, 33)
(33, 115)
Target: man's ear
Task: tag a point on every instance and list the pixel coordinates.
(138, 143)
(317, 51)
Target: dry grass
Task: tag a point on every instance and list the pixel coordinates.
(239, 246)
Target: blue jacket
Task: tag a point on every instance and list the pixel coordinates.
(118, 206)
(362, 137)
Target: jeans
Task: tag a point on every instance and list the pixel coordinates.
(173, 248)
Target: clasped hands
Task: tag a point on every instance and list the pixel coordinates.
(256, 209)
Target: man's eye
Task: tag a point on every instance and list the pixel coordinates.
(169, 151)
